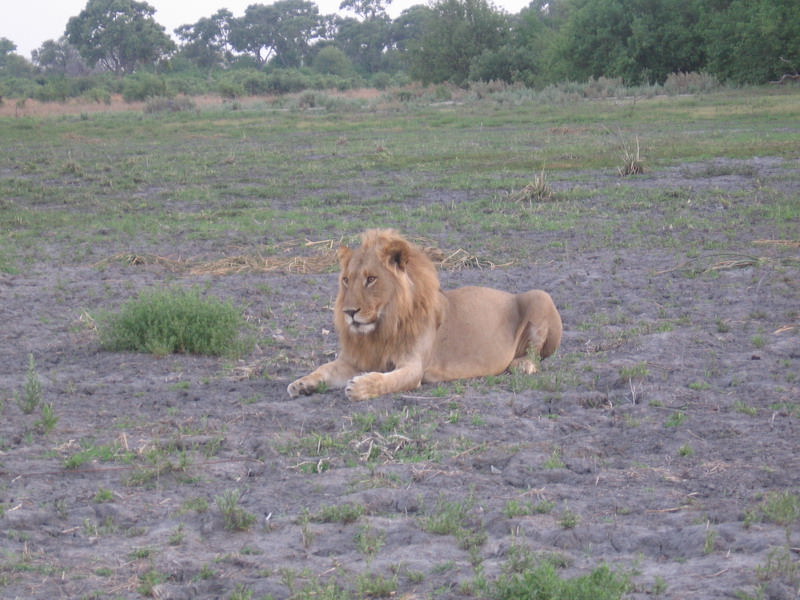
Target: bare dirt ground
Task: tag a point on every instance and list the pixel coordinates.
(660, 440)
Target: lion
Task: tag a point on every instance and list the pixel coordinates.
(398, 329)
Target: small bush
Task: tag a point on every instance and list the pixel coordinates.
(142, 86)
(174, 321)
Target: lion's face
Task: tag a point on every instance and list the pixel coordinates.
(388, 297)
(368, 288)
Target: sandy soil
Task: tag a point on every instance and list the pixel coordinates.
(655, 441)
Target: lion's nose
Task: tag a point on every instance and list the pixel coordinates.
(350, 312)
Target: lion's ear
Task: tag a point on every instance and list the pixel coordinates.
(344, 253)
(396, 253)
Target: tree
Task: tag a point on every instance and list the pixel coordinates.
(522, 58)
(11, 63)
(59, 58)
(637, 40)
(364, 42)
(120, 35)
(366, 9)
(207, 43)
(754, 41)
(281, 32)
(455, 34)
(409, 27)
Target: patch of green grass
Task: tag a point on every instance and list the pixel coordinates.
(48, 419)
(686, 451)
(103, 495)
(699, 386)
(740, 407)
(554, 461)
(199, 505)
(369, 541)
(148, 581)
(241, 592)
(339, 513)
(99, 453)
(676, 419)
(32, 391)
(780, 564)
(515, 508)
(782, 507)
(543, 582)
(637, 371)
(569, 519)
(455, 518)
(711, 541)
(174, 320)
(376, 585)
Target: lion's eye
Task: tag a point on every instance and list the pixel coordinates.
(345, 281)
(371, 279)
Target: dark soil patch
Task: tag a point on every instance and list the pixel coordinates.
(653, 441)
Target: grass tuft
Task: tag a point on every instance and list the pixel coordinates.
(235, 517)
(538, 190)
(632, 162)
(32, 392)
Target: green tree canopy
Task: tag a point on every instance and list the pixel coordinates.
(281, 32)
(11, 63)
(637, 40)
(207, 43)
(364, 42)
(456, 33)
(120, 35)
(754, 41)
(59, 58)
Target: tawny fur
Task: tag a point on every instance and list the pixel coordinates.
(397, 328)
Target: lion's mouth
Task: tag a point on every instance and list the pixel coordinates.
(361, 327)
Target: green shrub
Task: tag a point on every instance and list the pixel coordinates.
(332, 61)
(141, 86)
(174, 320)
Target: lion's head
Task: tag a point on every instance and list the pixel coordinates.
(388, 295)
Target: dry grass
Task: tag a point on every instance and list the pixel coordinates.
(787, 243)
(295, 258)
(538, 190)
(632, 162)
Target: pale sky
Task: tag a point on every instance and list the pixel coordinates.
(29, 23)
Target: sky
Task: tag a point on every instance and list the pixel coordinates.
(29, 23)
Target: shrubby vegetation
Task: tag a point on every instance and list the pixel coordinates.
(174, 320)
(117, 47)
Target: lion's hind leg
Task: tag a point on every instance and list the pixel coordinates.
(540, 332)
(528, 352)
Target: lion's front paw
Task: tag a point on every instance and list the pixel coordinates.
(301, 386)
(363, 387)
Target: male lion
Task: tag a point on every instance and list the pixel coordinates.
(397, 328)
